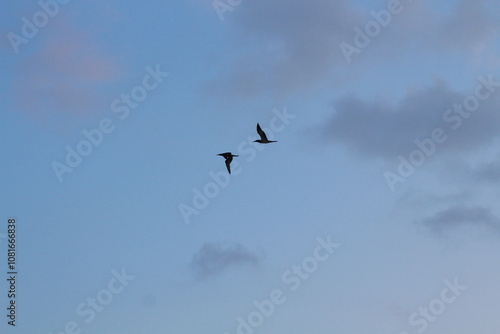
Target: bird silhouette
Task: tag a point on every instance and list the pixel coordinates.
(229, 157)
(263, 138)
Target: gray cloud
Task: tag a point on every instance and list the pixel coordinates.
(290, 44)
(462, 216)
(286, 45)
(380, 129)
(487, 172)
(470, 26)
(214, 258)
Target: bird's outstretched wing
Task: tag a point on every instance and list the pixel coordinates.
(261, 133)
(225, 155)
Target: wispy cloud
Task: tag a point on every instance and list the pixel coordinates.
(487, 172)
(469, 27)
(66, 74)
(385, 130)
(290, 45)
(460, 215)
(214, 258)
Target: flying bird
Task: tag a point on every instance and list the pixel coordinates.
(263, 138)
(229, 157)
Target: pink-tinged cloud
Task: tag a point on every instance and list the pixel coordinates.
(68, 74)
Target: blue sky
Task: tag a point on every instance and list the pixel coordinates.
(345, 225)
